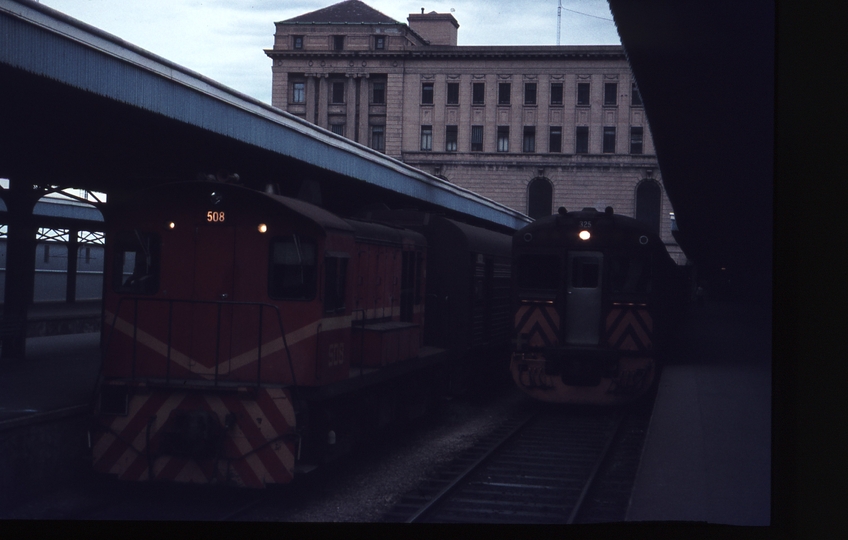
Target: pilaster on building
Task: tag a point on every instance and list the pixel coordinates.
(533, 127)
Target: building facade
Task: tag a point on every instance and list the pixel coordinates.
(531, 127)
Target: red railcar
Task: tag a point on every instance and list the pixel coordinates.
(241, 329)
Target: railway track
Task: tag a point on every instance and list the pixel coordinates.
(535, 469)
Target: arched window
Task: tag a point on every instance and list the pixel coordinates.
(649, 204)
(539, 198)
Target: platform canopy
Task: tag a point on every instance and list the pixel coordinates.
(84, 108)
(706, 73)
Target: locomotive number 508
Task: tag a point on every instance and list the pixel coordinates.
(214, 217)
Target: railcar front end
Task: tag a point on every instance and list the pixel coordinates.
(590, 309)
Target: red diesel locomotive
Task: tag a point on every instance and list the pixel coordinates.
(596, 297)
(248, 336)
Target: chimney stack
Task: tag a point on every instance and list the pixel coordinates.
(437, 28)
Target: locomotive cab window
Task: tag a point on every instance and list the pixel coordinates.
(585, 272)
(335, 277)
(292, 274)
(540, 272)
(136, 263)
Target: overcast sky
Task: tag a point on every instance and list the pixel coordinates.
(224, 39)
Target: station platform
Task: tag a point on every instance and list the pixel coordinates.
(57, 377)
(707, 454)
(60, 369)
(59, 318)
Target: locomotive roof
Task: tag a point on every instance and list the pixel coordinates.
(477, 239)
(326, 220)
(383, 233)
(245, 196)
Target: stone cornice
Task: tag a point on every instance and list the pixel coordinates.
(537, 159)
(573, 52)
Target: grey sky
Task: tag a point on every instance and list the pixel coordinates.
(224, 39)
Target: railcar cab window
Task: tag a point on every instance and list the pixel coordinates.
(135, 267)
(539, 272)
(292, 273)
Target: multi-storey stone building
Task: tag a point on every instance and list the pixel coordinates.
(532, 127)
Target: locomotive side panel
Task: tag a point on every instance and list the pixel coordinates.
(386, 323)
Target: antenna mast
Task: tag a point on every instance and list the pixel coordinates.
(559, 19)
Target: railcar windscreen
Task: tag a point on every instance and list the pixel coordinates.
(292, 274)
(630, 273)
(135, 267)
(540, 272)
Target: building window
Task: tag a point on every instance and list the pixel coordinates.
(503, 138)
(503, 93)
(610, 94)
(378, 93)
(426, 138)
(338, 43)
(556, 93)
(609, 140)
(379, 42)
(581, 141)
(539, 198)
(583, 93)
(299, 92)
(427, 93)
(635, 140)
(635, 96)
(378, 138)
(555, 144)
(338, 92)
(530, 93)
(453, 93)
(297, 42)
(478, 93)
(451, 136)
(476, 138)
(529, 139)
(338, 129)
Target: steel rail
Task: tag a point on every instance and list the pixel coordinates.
(441, 495)
(619, 421)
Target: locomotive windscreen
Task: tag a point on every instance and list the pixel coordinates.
(136, 263)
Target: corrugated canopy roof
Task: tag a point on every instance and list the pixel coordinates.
(348, 11)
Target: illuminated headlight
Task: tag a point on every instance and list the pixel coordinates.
(584, 235)
(171, 225)
(262, 228)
